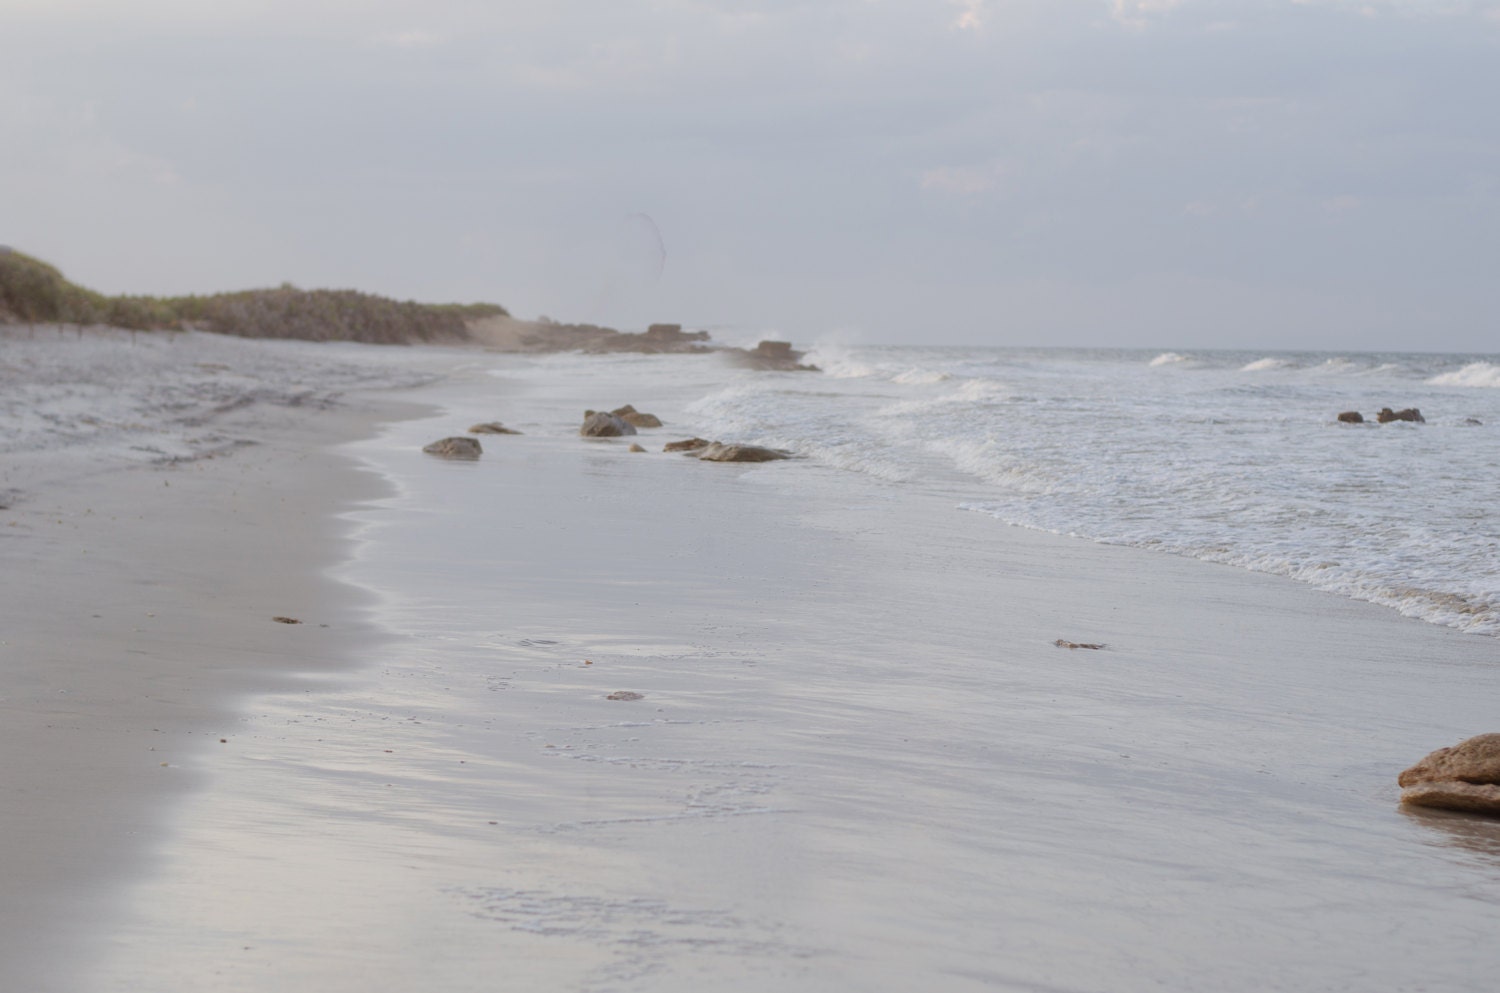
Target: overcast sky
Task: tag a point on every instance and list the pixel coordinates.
(1156, 173)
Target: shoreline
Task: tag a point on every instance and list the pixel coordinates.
(140, 597)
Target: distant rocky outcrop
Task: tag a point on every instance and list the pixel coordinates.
(656, 339)
(719, 452)
(603, 424)
(1387, 415)
(492, 427)
(1464, 777)
(777, 356)
(1352, 417)
(508, 334)
(454, 448)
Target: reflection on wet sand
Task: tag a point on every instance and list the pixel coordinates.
(1470, 833)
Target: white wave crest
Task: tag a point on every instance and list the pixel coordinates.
(921, 377)
(1261, 365)
(1169, 358)
(1473, 374)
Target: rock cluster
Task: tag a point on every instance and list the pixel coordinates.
(614, 423)
(603, 424)
(1385, 416)
(1464, 777)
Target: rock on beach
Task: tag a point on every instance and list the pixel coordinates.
(603, 424)
(719, 452)
(1464, 777)
(454, 448)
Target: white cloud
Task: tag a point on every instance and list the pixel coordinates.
(970, 15)
(1136, 12)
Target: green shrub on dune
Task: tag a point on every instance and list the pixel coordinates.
(33, 292)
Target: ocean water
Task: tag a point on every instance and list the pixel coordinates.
(1230, 457)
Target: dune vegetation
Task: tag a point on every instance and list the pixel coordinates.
(33, 292)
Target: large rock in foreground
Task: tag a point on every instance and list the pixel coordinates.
(1463, 777)
(718, 452)
(454, 448)
(603, 424)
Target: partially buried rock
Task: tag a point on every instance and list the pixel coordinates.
(492, 427)
(454, 448)
(625, 695)
(690, 445)
(718, 452)
(1387, 415)
(1352, 417)
(635, 448)
(603, 424)
(1463, 777)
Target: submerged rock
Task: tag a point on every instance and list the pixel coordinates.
(454, 448)
(635, 448)
(718, 452)
(603, 424)
(1465, 777)
(492, 427)
(1387, 415)
(690, 445)
(1352, 417)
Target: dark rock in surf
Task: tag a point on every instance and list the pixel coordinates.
(492, 427)
(1352, 417)
(770, 355)
(1387, 415)
(454, 448)
(603, 424)
(718, 452)
(690, 445)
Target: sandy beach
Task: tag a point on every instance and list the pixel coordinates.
(858, 760)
